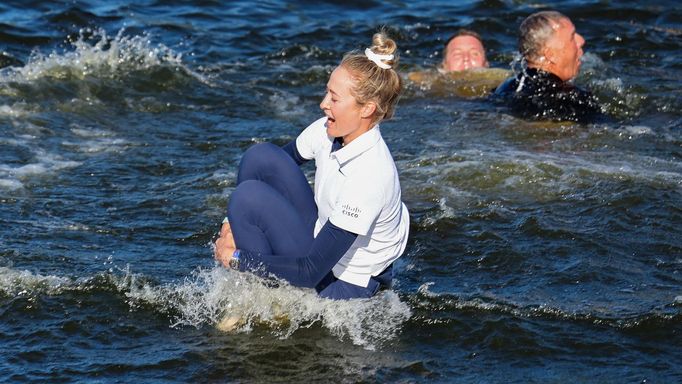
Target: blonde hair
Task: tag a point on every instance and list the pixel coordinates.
(535, 30)
(372, 83)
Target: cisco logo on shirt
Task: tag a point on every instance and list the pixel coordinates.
(349, 211)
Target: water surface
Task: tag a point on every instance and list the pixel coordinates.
(539, 252)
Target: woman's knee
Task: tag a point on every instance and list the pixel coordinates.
(259, 157)
(262, 148)
(248, 195)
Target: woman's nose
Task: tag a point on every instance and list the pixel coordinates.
(324, 104)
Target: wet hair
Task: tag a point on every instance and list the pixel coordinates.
(372, 83)
(535, 30)
(461, 32)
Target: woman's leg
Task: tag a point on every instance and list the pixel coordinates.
(264, 221)
(332, 288)
(268, 163)
(336, 289)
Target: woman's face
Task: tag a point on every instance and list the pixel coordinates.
(344, 114)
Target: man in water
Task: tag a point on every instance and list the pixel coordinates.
(464, 50)
(551, 50)
(464, 70)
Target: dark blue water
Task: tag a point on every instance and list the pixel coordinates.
(539, 252)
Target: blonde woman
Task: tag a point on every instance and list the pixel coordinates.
(343, 237)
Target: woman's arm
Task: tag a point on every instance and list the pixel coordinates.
(292, 151)
(303, 270)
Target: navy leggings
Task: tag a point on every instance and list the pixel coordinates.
(272, 214)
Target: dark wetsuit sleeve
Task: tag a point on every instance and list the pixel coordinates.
(583, 106)
(505, 89)
(292, 151)
(303, 270)
(542, 95)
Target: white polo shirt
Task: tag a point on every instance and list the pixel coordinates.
(357, 189)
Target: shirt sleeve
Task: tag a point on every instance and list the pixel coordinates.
(312, 139)
(304, 271)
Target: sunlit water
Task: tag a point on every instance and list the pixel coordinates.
(539, 252)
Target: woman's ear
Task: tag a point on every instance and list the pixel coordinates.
(368, 110)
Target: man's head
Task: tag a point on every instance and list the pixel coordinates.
(464, 50)
(548, 41)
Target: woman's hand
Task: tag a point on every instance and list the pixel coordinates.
(225, 229)
(225, 246)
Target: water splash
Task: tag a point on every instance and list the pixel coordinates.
(19, 283)
(517, 64)
(287, 104)
(209, 296)
(94, 54)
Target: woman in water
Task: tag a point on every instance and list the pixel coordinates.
(342, 239)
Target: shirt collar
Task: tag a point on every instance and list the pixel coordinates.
(358, 146)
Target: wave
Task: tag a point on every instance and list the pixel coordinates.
(454, 183)
(17, 283)
(94, 53)
(209, 296)
(98, 70)
(94, 76)
(12, 178)
(662, 316)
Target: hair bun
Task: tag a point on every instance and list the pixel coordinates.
(384, 45)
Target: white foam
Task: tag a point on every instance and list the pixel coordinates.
(613, 84)
(210, 295)
(455, 182)
(12, 177)
(92, 132)
(48, 165)
(29, 169)
(444, 212)
(591, 62)
(287, 104)
(20, 282)
(223, 177)
(636, 130)
(96, 53)
(14, 111)
(96, 146)
(11, 184)
(52, 223)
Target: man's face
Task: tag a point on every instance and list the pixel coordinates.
(564, 50)
(464, 52)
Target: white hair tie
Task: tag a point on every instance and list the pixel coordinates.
(378, 59)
